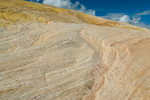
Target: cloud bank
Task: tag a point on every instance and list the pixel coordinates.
(122, 17)
(67, 4)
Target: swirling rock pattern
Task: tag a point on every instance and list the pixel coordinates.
(68, 61)
(48, 53)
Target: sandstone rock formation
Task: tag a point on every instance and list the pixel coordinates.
(71, 57)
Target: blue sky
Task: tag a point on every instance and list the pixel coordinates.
(136, 12)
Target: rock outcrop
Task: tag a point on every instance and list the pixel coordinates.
(70, 57)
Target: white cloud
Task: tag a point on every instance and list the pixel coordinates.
(143, 13)
(141, 24)
(67, 4)
(113, 16)
(126, 18)
(136, 20)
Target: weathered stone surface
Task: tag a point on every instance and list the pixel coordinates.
(74, 61)
(64, 60)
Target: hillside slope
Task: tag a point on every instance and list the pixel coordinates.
(17, 11)
(48, 53)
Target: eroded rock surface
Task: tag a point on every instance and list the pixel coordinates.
(49, 53)
(69, 61)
